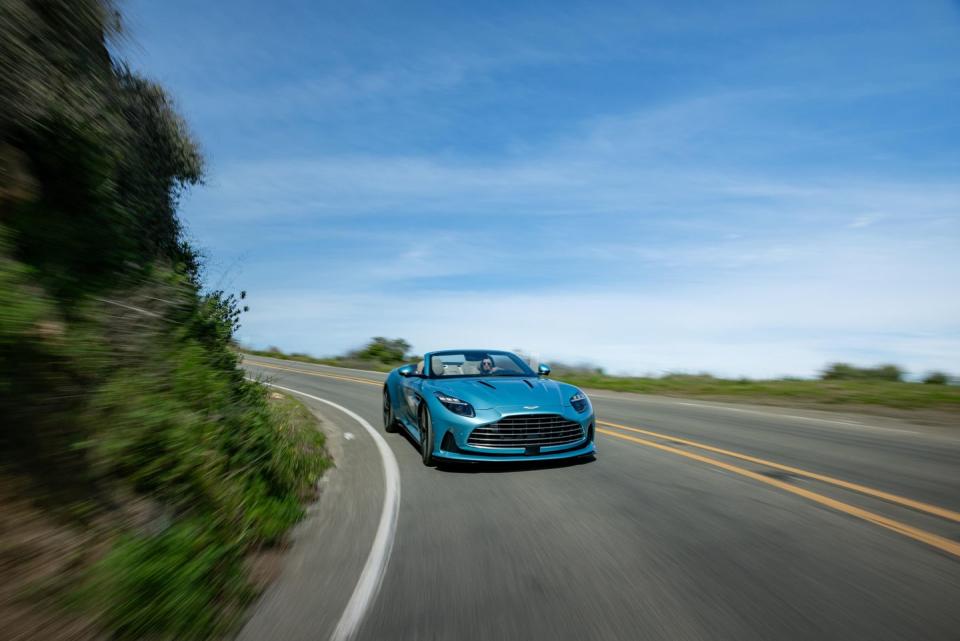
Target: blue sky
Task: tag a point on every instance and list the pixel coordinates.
(743, 188)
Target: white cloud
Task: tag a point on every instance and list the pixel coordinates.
(876, 301)
(864, 221)
(324, 188)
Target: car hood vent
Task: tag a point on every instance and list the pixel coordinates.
(504, 392)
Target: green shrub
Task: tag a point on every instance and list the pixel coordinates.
(232, 467)
(847, 372)
(173, 585)
(936, 378)
(180, 430)
(383, 350)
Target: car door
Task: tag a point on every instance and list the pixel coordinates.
(410, 389)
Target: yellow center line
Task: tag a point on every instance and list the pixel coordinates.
(862, 489)
(939, 542)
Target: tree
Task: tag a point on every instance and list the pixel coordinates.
(848, 372)
(936, 378)
(385, 350)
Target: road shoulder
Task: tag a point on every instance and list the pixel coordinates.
(329, 547)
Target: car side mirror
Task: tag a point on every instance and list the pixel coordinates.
(543, 370)
(407, 371)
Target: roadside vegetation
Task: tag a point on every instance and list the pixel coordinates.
(839, 394)
(380, 355)
(140, 473)
(839, 386)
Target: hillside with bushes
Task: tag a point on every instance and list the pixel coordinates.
(130, 439)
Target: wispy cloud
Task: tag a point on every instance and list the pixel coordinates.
(864, 221)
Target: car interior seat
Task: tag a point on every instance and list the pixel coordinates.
(437, 366)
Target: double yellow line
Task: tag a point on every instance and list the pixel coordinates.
(939, 542)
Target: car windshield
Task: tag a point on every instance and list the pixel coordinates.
(459, 364)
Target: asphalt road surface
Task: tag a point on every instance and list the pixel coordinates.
(696, 521)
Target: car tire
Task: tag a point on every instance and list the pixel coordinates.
(426, 436)
(389, 420)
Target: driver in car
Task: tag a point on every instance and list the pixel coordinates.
(487, 367)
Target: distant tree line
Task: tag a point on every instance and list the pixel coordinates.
(888, 373)
(379, 351)
(848, 372)
(388, 351)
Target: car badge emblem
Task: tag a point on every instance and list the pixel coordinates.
(530, 407)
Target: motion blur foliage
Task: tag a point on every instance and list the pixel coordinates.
(118, 383)
(847, 372)
(380, 354)
(578, 369)
(936, 378)
(383, 350)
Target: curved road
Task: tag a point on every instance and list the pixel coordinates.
(696, 521)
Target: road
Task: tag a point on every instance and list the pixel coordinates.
(696, 521)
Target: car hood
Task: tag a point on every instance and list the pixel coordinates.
(505, 392)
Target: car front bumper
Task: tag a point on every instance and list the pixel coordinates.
(452, 438)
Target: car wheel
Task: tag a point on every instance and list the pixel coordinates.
(389, 420)
(426, 436)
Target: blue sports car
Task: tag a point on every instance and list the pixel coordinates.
(487, 405)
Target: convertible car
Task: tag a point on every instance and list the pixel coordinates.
(487, 405)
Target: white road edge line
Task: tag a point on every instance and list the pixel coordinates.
(327, 368)
(376, 566)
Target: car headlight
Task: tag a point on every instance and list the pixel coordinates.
(455, 405)
(579, 402)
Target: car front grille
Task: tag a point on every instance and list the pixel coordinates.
(527, 430)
